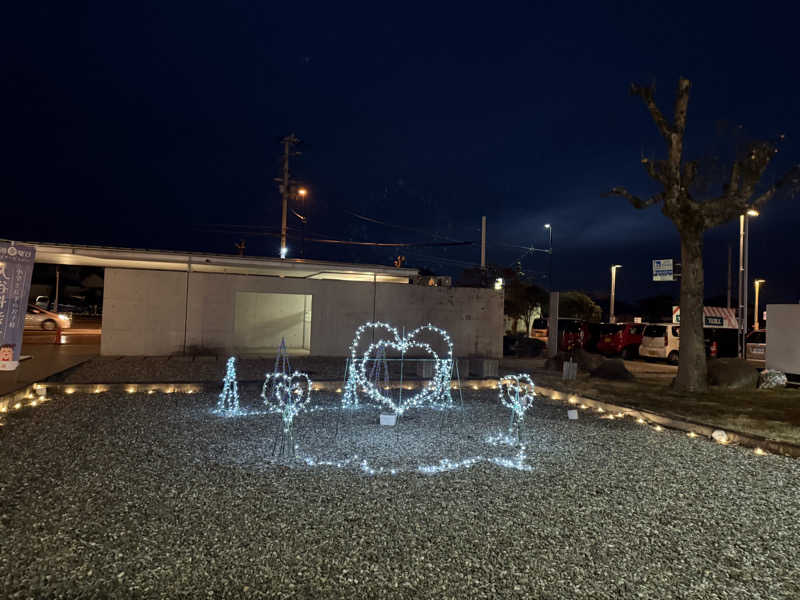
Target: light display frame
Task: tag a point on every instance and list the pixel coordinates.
(436, 392)
(516, 392)
(286, 395)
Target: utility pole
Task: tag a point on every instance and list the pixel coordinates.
(740, 311)
(483, 243)
(730, 259)
(611, 317)
(58, 285)
(288, 142)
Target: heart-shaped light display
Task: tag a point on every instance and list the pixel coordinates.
(516, 392)
(437, 390)
(286, 394)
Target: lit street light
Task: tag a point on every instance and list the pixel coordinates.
(757, 283)
(744, 259)
(550, 252)
(611, 317)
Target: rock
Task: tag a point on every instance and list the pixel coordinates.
(529, 347)
(720, 436)
(612, 368)
(771, 379)
(733, 373)
(554, 363)
(587, 361)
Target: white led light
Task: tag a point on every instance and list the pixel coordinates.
(437, 391)
(229, 398)
(286, 395)
(516, 393)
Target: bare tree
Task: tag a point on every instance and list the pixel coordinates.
(693, 216)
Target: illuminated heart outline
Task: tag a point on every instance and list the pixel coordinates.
(402, 346)
(516, 384)
(438, 386)
(444, 366)
(289, 396)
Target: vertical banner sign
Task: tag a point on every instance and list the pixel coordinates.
(16, 268)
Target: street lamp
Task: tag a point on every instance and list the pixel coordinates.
(550, 252)
(744, 259)
(611, 317)
(301, 194)
(757, 283)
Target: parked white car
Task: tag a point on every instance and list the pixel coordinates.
(39, 318)
(661, 340)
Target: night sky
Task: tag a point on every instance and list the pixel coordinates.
(155, 124)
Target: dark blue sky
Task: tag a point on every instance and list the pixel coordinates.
(149, 125)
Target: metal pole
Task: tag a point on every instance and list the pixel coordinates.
(58, 281)
(613, 290)
(740, 296)
(755, 310)
(746, 275)
(730, 260)
(550, 268)
(483, 242)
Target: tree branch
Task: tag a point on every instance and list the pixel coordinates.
(646, 93)
(657, 169)
(681, 105)
(635, 200)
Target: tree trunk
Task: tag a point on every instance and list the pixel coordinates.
(692, 356)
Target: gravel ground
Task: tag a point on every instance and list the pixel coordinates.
(168, 369)
(155, 496)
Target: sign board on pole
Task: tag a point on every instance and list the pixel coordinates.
(552, 325)
(662, 270)
(713, 316)
(16, 268)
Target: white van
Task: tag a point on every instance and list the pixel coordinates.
(661, 340)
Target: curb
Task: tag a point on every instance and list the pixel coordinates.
(758, 443)
(33, 394)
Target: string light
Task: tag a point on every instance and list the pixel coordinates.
(286, 395)
(228, 402)
(516, 392)
(443, 466)
(437, 391)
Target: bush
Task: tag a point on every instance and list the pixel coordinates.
(529, 347)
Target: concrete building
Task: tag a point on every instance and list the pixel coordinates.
(158, 303)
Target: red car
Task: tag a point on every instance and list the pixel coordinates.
(620, 338)
(572, 334)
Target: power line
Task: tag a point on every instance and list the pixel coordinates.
(330, 240)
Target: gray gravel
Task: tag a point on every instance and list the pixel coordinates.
(155, 496)
(169, 369)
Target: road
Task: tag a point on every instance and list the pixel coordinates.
(85, 331)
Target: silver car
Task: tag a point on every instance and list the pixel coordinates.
(39, 318)
(756, 345)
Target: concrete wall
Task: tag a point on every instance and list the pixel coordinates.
(783, 338)
(144, 311)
